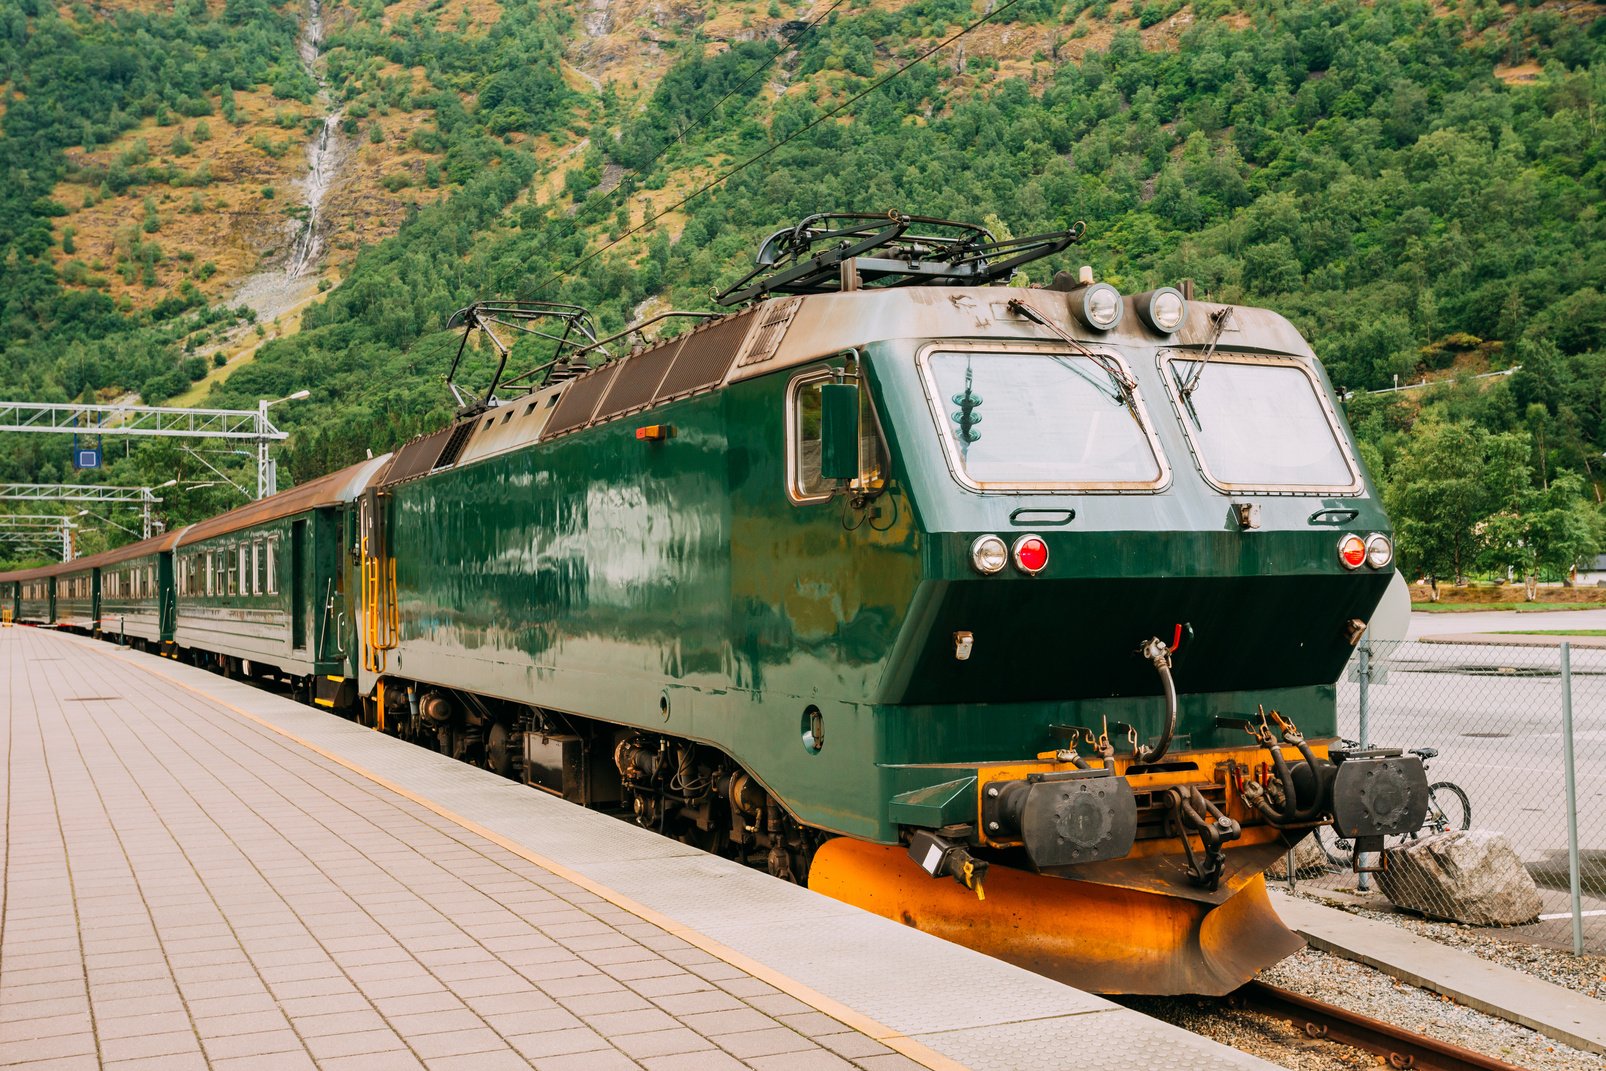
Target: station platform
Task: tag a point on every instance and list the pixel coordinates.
(200, 874)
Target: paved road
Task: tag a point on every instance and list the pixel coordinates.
(1502, 621)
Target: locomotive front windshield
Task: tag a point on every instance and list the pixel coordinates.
(1260, 424)
(1025, 420)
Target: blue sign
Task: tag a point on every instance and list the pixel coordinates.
(86, 457)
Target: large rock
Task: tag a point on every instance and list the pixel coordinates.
(1469, 876)
(1308, 861)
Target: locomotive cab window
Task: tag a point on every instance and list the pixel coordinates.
(1261, 424)
(1041, 419)
(804, 428)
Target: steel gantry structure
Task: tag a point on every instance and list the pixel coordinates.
(143, 497)
(74, 418)
(38, 531)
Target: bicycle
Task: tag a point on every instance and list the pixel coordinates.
(1448, 809)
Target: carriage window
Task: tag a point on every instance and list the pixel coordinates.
(256, 567)
(1016, 421)
(804, 482)
(1261, 424)
(272, 565)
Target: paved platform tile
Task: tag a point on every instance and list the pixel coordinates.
(237, 901)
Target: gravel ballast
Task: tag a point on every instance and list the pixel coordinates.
(1358, 988)
(1370, 992)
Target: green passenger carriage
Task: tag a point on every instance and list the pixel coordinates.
(138, 603)
(262, 587)
(77, 604)
(36, 595)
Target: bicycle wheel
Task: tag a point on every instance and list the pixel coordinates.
(1339, 851)
(1448, 808)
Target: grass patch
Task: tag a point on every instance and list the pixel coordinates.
(1555, 632)
(1517, 607)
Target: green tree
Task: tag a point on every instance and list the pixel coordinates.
(1444, 488)
(1545, 530)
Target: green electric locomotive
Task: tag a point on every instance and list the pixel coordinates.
(1014, 613)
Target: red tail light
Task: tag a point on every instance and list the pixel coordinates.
(1352, 551)
(1031, 554)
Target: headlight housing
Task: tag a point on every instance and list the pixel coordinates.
(1163, 309)
(1379, 551)
(1098, 305)
(988, 554)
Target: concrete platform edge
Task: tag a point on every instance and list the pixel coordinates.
(1549, 1009)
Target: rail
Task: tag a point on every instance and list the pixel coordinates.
(1400, 1048)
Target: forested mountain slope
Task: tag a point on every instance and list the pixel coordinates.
(1417, 186)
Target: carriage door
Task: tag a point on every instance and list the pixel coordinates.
(298, 584)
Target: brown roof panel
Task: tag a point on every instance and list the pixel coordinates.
(155, 545)
(330, 490)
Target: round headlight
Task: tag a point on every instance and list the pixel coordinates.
(1352, 551)
(1097, 305)
(1031, 554)
(988, 554)
(1379, 551)
(1162, 309)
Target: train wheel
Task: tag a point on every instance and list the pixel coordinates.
(498, 757)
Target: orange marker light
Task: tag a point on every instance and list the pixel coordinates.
(655, 432)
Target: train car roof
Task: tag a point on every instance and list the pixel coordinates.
(36, 573)
(340, 486)
(154, 545)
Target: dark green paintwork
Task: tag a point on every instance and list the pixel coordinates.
(599, 574)
(80, 610)
(301, 628)
(39, 610)
(148, 616)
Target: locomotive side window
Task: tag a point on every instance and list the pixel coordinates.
(1261, 424)
(803, 448)
(1028, 420)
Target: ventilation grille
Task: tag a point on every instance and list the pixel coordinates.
(417, 457)
(454, 445)
(637, 381)
(771, 329)
(706, 358)
(579, 400)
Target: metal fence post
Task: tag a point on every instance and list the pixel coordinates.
(1572, 796)
(1363, 676)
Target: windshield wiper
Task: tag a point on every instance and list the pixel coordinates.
(1125, 383)
(1218, 318)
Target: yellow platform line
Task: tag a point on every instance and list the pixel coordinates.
(849, 1017)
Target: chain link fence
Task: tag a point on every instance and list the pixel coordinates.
(1505, 717)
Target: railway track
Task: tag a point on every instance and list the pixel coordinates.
(1403, 1050)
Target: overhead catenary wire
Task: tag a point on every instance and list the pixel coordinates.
(756, 157)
